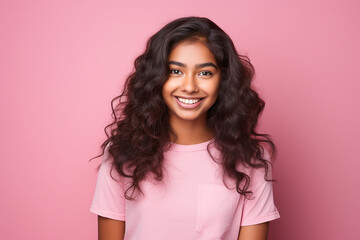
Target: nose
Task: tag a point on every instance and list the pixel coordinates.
(189, 84)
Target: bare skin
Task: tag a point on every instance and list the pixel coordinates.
(254, 232)
(110, 229)
(194, 75)
(190, 126)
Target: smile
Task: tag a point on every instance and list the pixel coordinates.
(188, 101)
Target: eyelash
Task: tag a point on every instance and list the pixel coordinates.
(207, 72)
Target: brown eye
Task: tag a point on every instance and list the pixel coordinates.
(205, 73)
(175, 71)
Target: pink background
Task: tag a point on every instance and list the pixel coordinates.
(61, 63)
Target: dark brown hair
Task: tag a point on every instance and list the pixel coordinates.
(139, 134)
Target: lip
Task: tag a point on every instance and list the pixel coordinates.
(188, 97)
(188, 106)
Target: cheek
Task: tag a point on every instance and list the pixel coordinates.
(166, 93)
(214, 95)
(213, 89)
(217, 86)
(165, 90)
(168, 88)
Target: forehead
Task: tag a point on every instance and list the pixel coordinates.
(191, 52)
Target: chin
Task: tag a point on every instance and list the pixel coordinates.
(188, 117)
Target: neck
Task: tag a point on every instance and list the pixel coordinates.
(190, 132)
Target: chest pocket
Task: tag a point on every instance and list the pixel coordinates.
(216, 209)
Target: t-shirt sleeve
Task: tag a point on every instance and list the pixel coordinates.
(260, 207)
(109, 200)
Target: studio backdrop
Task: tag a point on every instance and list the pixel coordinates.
(61, 63)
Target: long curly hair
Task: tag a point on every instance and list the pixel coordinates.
(140, 131)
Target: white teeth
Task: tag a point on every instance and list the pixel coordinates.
(188, 101)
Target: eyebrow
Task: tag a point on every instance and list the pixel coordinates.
(201, 65)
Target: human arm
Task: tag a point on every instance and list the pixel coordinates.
(259, 209)
(110, 229)
(109, 202)
(254, 232)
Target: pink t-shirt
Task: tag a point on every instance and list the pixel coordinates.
(191, 202)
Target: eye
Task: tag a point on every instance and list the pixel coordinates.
(175, 71)
(205, 73)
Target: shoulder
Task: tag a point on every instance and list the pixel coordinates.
(258, 175)
(107, 169)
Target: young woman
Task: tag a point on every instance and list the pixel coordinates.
(183, 159)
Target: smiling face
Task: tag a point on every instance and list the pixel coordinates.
(193, 83)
